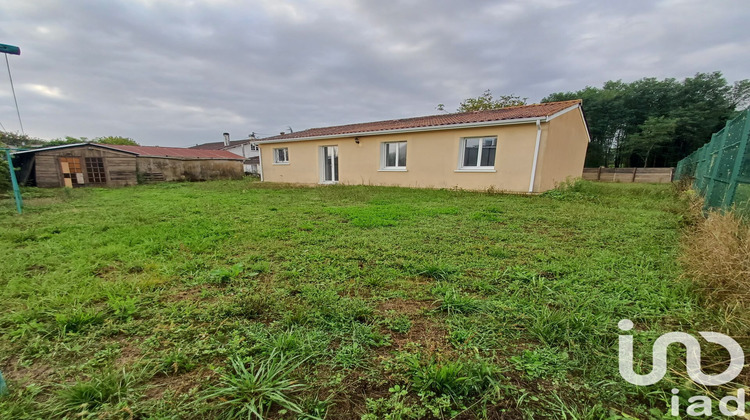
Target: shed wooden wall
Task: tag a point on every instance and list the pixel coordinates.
(120, 167)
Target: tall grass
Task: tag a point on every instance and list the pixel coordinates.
(717, 257)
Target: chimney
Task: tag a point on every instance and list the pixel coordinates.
(226, 139)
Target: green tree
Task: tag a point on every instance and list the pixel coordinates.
(655, 132)
(19, 140)
(616, 112)
(740, 94)
(486, 101)
(66, 140)
(5, 184)
(124, 141)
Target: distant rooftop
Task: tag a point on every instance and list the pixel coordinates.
(218, 145)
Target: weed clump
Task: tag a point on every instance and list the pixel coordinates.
(82, 398)
(75, 320)
(251, 306)
(253, 390)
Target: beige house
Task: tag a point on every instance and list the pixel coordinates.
(527, 149)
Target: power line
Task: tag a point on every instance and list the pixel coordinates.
(7, 64)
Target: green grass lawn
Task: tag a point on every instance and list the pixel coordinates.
(222, 299)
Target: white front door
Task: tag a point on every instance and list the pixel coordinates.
(329, 164)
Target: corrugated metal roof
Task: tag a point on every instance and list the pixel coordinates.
(156, 151)
(174, 152)
(503, 114)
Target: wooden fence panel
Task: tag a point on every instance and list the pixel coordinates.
(640, 175)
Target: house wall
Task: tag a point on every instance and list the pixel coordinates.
(119, 167)
(171, 169)
(244, 150)
(563, 150)
(432, 160)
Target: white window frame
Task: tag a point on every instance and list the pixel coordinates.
(276, 160)
(384, 153)
(462, 150)
(254, 147)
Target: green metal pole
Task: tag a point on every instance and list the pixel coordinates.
(3, 386)
(16, 190)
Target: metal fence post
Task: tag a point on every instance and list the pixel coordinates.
(741, 150)
(14, 182)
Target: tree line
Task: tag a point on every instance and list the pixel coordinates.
(648, 122)
(8, 138)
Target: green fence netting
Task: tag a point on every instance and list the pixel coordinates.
(721, 168)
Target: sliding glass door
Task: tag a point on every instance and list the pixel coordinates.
(329, 160)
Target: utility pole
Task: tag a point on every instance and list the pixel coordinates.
(13, 50)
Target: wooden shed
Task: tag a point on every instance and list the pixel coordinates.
(104, 165)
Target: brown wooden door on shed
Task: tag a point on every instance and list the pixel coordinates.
(71, 171)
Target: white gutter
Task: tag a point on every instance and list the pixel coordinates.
(407, 130)
(536, 154)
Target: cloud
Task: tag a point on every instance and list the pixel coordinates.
(177, 73)
(46, 91)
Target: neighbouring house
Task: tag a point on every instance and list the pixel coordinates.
(245, 148)
(104, 165)
(529, 148)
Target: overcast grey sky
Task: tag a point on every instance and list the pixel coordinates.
(177, 72)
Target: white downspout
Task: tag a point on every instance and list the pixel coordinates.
(260, 163)
(536, 155)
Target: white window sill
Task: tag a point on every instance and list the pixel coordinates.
(281, 163)
(392, 170)
(328, 183)
(475, 170)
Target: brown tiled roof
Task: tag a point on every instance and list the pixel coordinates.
(512, 113)
(174, 152)
(218, 145)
